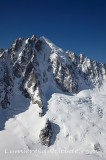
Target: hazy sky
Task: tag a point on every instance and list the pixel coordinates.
(76, 25)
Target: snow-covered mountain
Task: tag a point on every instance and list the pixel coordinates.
(38, 67)
(53, 98)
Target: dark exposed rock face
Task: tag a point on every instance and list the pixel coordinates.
(16, 45)
(38, 45)
(6, 81)
(36, 64)
(17, 70)
(65, 77)
(46, 134)
(97, 147)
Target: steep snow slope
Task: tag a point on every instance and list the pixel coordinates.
(78, 125)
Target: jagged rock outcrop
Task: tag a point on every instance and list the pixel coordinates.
(6, 79)
(97, 147)
(46, 134)
(37, 66)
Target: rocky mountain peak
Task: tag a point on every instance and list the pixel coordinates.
(37, 68)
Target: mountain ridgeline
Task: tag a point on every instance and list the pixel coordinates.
(36, 68)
